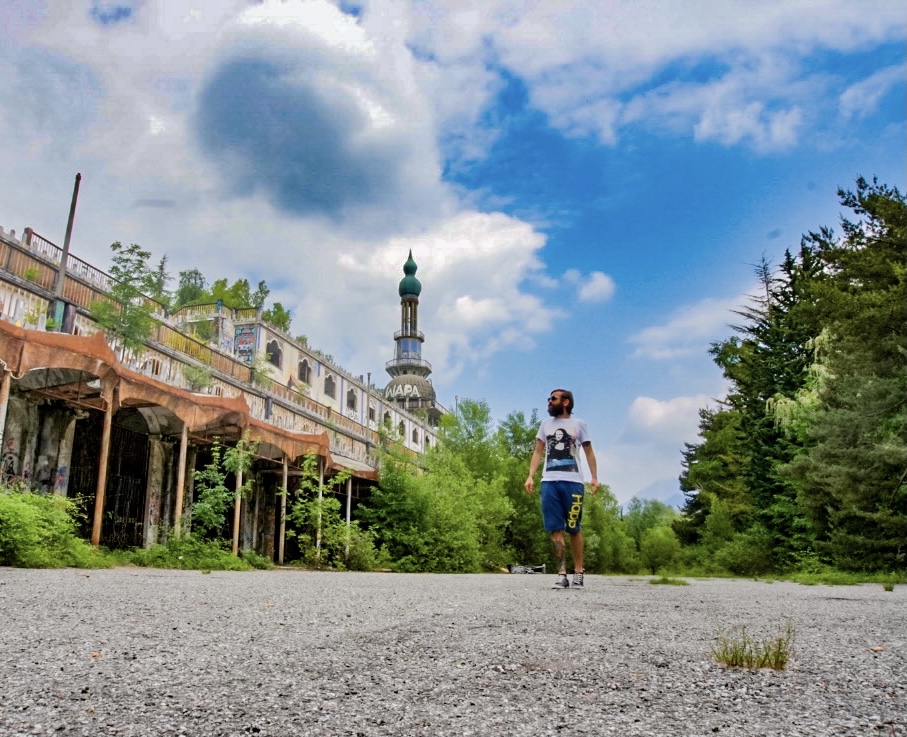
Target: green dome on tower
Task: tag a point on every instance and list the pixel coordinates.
(409, 285)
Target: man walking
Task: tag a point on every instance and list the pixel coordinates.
(558, 441)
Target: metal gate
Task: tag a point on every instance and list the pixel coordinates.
(127, 481)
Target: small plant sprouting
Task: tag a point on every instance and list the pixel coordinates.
(888, 586)
(746, 652)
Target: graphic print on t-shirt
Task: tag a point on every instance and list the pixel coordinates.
(560, 454)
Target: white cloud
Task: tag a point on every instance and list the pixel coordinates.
(862, 98)
(599, 287)
(688, 331)
(674, 420)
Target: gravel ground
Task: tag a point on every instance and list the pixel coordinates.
(149, 652)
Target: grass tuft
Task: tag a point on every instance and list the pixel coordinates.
(665, 581)
(744, 651)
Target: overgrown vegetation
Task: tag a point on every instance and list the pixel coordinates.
(40, 531)
(315, 521)
(744, 651)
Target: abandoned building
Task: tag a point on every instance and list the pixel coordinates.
(83, 417)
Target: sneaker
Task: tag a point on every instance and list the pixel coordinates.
(562, 582)
(578, 580)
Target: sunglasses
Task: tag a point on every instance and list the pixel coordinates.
(554, 399)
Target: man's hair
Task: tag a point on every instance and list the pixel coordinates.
(566, 394)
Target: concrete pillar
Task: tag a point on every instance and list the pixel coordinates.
(154, 492)
(64, 457)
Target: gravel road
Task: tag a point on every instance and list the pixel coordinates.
(149, 652)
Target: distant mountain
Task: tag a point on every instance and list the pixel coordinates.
(666, 491)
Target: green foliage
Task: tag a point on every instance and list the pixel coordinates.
(38, 531)
(191, 288)
(279, 317)
(255, 560)
(748, 553)
(199, 378)
(126, 315)
(316, 521)
(214, 498)
(609, 547)
(743, 651)
(191, 553)
(659, 548)
(807, 455)
(645, 514)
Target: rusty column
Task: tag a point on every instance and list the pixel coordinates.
(180, 482)
(237, 506)
(4, 401)
(102, 468)
(283, 510)
(321, 465)
(349, 506)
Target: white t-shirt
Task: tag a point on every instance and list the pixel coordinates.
(563, 438)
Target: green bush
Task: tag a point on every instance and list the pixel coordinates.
(659, 548)
(190, 553)
(747, 554)
(38, 531)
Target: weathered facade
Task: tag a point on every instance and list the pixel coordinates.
(82, 417)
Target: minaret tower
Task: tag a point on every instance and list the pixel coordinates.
(410, 386)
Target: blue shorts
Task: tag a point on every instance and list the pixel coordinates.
(562, 505)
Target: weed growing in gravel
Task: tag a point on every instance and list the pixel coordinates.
(665, 581)
(746, 652)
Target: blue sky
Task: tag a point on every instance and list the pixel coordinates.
(586, 186)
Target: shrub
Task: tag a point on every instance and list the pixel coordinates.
(38, 531)
(747, 554)
(659, 548)
(191, 553)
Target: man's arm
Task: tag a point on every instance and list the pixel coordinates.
(593, 466)
(537, 456)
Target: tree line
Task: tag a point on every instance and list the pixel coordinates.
(804, 462)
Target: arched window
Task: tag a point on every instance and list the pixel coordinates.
(304, 374)
(401, 428)
(371, 413)
(387, 419)
(415, 436)
(275, 355)
(351, 399)
(330, 386)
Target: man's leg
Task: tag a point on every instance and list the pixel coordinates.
(576, 547)
(560, 550)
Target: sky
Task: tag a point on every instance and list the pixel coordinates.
(586, 185)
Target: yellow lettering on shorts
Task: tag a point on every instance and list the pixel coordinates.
(575, 510)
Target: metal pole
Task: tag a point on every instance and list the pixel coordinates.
(61, 273)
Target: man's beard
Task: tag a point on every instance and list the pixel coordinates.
(555, 411)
